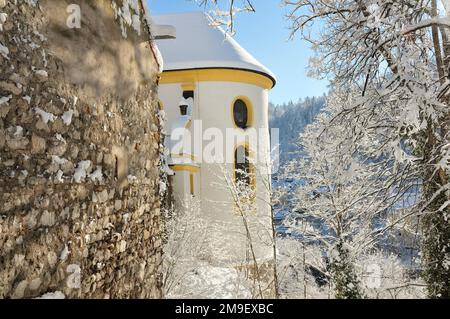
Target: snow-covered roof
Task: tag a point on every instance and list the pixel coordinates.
(160, 32)
(200, 45)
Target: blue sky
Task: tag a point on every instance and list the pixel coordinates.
(265, 35)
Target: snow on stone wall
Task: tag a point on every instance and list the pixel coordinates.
(78, 118)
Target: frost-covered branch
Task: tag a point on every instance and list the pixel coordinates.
(224, 12)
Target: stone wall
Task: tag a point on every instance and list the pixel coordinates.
(79, 154)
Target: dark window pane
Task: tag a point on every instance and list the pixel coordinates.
(240, 113)
(188, 94)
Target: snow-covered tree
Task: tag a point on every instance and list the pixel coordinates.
(191, 237)
(224, 12)
(346, 187)
(394, 58)
(187, 270)
(257, 228)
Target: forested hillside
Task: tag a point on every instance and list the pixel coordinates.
(291, 119)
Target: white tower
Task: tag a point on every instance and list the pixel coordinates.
(229, 89)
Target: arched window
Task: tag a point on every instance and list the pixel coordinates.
(241, 114)
(242, 168)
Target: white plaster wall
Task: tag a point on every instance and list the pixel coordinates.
(213, 105)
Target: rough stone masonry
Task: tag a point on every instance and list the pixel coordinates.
(79, 152)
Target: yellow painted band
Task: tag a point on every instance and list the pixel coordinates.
(187, 168)
(191, 184)
(216, 75)
(183, 155)
(188, 86)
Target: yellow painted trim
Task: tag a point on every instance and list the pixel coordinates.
(217, 75)
(184, 155)
(188, 86)
(250, 113)
(191, 184)
(186, 168)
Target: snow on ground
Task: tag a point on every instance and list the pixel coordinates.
(209, 282)
(53, 295)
